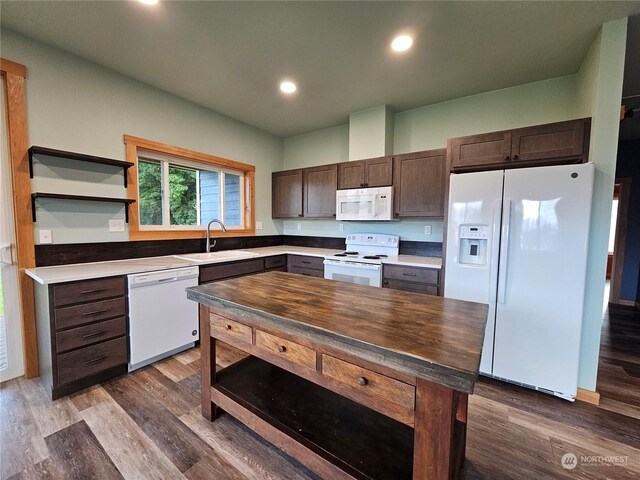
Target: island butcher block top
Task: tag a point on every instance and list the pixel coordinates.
(429, 337)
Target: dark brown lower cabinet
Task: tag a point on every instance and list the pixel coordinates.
(306, 265)
(82, 333)
(411, 279)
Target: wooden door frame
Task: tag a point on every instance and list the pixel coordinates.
(15, 76)
(620, 240)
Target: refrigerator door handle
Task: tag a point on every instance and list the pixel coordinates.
(495, 251)
(504, 251)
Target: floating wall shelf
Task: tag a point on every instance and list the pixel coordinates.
(85, 198)
(77, 156)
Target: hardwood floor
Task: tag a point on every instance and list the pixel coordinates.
(148, 425)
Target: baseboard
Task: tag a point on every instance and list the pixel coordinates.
(588, 396)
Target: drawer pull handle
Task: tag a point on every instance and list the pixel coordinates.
(96, 360)
(282, 348)
(362, 381)
(306, 261)
(409, 274)
(95, 290)
(227, 327)
(95, 312)
(90, 335)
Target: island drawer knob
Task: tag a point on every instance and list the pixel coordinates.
(362, 381)
(282, 348)
(227, 327)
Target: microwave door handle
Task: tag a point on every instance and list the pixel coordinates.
(376, 199)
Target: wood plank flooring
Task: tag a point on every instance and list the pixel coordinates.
(147, 425)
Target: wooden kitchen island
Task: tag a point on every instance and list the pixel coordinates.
(353, 381)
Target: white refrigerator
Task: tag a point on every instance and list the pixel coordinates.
(517, 241)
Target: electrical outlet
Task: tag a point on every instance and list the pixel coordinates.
(45, 236)
(427, 229)
(258, 225)
(116, 225)
(299, 226)
(341, 227)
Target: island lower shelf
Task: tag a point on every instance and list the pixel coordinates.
(292, 412)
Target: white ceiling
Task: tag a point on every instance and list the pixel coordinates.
(230, 56)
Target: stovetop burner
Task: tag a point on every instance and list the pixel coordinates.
(373, 257)
(350, 253)
(340, 255)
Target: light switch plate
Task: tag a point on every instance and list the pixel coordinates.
(116, 225)
(45, 236)
(258, 225)
(299, 226)
(427, 229)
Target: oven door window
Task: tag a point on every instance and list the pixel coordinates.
(343, 277)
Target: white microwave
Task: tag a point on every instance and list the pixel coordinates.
(365, 204)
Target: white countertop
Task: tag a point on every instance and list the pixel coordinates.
(85, 271)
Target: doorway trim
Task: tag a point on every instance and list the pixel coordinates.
(624, 189)
(18, 144)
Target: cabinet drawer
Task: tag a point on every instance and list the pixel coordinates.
(275, 262)
(88, 291)
(221, 326)
(369, 383)
(91, 360)
(89, 312)
(90, 334)
(284, 348)
(229, 270)
(415, 287)
(310, 272)
(411, 274)
(306, 262)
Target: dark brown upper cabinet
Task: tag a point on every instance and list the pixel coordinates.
(286, 194)
(374, 172)
(554, 143)
(419, 184)
(320, 185)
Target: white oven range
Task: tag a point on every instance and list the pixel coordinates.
(361, 263)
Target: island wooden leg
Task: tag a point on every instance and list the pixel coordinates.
(461, 428)
(208, 365)
(433, 434)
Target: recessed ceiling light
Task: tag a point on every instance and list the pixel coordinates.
(402, 43)
(288, 87)
(149, 2)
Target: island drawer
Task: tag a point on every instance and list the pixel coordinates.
(275, 262)
(369, 383)
(225, 327)
(90, 312)
(411, 274)
(415, 287)
(91, 360)
(230, 270)
(301, 261)
(286, 349)
(90, 334)
(88, 290)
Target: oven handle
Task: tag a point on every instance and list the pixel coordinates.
(361, 266)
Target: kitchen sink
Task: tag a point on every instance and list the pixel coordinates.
(216, 256)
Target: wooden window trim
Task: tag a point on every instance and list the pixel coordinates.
(18, 145)
(134, 145)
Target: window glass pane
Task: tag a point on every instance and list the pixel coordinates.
(232, 211)
(182, 196)
(150, 192)
(209, 196)
(612, 227)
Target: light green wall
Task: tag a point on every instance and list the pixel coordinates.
(600, 82)
(79, 106)
(330, 145)
(370, 133)
(429, 127)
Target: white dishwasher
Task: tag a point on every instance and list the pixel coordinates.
(162, 322)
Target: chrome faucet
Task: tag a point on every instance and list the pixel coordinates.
(208, 245)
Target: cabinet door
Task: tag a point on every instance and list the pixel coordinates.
(486, 150)
(320, 184)
(548, 142)
(419, 184)
(286, 194)
(351, 174)
(378, 172)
